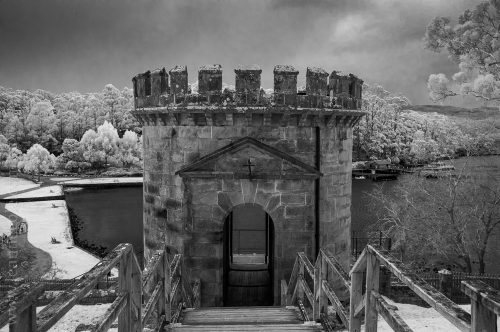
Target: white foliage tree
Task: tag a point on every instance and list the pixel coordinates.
(72, 157)
(474, 44)
(130, 149)
(4, 150)
(38, 160)
(14, 158)
(111, 98)
(41, 121)
(423, 148)
(100, 148)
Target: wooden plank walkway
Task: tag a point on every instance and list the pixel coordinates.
(243, 319)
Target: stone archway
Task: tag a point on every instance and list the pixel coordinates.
(248, 269)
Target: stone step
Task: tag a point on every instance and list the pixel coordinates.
(241, 315)
(244, 328)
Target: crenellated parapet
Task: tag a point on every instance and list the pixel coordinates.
(344, 87)
(247, 85)
(168, 97)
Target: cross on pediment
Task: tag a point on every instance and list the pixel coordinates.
(249, 165)
(226, 162)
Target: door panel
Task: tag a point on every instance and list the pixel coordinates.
(248, 241)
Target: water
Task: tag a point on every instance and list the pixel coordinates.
(484, 169)
(108, 217)
(362, 214)
(112, 216)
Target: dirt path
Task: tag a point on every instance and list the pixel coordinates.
(39, 261)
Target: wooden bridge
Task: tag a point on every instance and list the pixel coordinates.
(308, 299)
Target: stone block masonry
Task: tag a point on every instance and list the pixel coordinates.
(204, 157)
(162, 89)
(247, 85)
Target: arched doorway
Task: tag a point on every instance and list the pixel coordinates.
(248, 257)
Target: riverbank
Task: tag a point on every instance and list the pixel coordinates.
(45, 211)
(101, 183)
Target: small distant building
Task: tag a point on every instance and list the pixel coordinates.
(379, 164)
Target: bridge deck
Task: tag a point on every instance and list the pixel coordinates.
(243, 319)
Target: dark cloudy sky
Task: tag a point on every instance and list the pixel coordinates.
(66, 45)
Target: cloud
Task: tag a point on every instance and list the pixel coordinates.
(84, 44)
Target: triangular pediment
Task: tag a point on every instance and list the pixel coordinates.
(249, 158)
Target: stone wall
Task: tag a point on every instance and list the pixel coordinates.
(288, 202)
(189, 213)
(159, 89)
(335, 192)
(195, 146)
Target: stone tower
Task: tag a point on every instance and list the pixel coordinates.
(228, 170)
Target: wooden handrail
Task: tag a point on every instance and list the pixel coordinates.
(18, 308)
(149, 308)
(485, 300)
(485, 305)
(335, 266)
(389, 313)
(306, 263)
(339, 308)
(370, 261)
(302, 284)
(172, 289)
(112, 313)
(174, 265)
(297, 288)
(152, 267)
(64, 302)
(175, 287)
(447, 308)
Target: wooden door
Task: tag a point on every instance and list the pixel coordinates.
(248, 257)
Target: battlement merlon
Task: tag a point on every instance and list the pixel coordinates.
(161, 89)
(247, 85)
(210, 80)
(285, 84)
(316, 81)
(179, 80)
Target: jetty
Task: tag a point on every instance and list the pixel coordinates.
(378, 170)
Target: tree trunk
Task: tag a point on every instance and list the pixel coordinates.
(482, 264)
(468, 264)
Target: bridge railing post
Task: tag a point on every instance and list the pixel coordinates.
(162, 300)
(300, 291)
(284, 293)
(320, 298)
(167, 286)
(317, 288)
(22, 307)
(323, 299)
(130, 283)
(372, 284)
(485, 305)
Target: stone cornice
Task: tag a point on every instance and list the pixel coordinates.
(247, 116)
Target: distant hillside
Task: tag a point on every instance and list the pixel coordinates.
(489, 116)
(479, 113)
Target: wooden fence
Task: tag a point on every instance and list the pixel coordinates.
(169, 284)
(450, 283)
(363, 287)
(358, 243)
